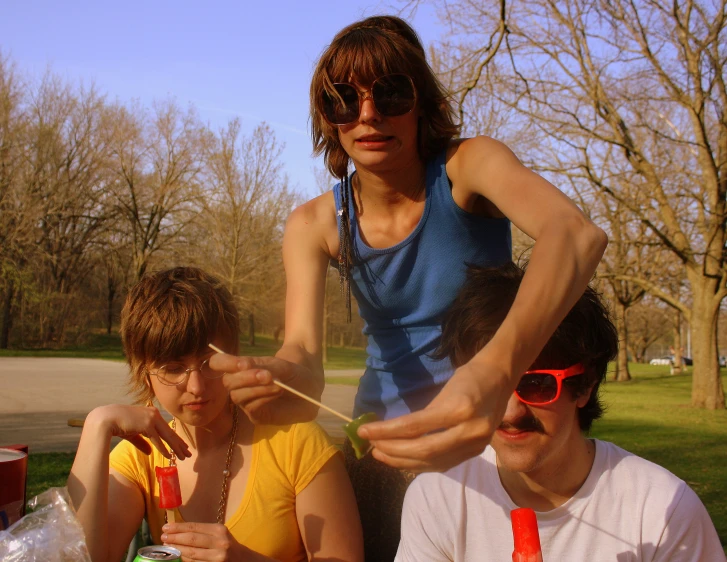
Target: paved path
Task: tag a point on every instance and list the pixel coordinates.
(38, 395)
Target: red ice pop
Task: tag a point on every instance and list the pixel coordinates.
(170, 495)
(525, 535)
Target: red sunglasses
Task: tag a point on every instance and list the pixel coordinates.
(542, 386)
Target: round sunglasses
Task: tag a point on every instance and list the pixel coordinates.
(393, 95)
(541, 387)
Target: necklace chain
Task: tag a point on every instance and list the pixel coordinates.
(225, 472)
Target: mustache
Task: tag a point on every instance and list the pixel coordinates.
(525, 423)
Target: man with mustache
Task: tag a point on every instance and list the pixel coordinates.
(594, 501)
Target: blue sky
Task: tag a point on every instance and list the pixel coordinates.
(247, 59)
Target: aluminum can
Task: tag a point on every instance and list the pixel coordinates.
(155, 552)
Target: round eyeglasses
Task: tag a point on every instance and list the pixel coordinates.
(392, 94)
(173, 374)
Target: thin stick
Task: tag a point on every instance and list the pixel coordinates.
(298, 393)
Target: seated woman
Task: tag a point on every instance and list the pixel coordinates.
(249, 492)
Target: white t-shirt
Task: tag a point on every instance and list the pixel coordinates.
(628, 510)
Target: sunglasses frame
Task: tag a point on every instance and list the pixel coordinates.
(363, 95)
(559, 374)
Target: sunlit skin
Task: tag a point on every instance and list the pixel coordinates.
(382, 145)
(543, 458)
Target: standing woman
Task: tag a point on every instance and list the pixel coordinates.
(402, 227)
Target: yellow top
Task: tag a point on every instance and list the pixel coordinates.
(284, 461)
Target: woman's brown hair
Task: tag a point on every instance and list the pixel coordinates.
(362, 52)
(171, 314)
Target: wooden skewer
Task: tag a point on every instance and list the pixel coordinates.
(298, 393)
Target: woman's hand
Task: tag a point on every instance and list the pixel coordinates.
(133, 422)
(205, 541)
(457, 425)
(249, 380)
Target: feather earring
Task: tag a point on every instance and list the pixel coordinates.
(344, 242)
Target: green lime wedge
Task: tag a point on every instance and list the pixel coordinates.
(360, 446)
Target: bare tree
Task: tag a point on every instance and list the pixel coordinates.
(649, 323)
(246, 202)
(636, 91)
(156, 165)
(15, 225)
(66, 180)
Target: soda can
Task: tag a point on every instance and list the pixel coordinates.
(156, 552)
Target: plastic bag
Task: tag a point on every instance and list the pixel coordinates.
(51, 533)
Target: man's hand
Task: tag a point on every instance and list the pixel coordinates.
(457, 425)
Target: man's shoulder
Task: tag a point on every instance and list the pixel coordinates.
(628, 470)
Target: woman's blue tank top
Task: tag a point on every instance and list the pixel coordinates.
(403, 292)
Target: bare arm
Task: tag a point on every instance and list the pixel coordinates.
(328, 517)
(459, 422)
(109, 507)
(298, 363)
(568, 248)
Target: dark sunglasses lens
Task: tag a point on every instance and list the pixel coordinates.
(393, 95)
(537, 388)
(341, 107)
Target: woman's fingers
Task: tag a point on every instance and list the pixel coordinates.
(175, 442)
(432, 452)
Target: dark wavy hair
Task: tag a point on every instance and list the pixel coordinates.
(362, 52)
(586, 335)
(174, 313)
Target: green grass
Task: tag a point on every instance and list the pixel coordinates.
(47, 470)
(108, 346)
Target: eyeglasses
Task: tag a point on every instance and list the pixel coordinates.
(393, 95)
(543, 386)
(173, 374)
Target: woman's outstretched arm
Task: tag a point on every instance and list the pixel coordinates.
(460, 421)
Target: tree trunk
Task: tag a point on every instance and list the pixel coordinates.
(251, 330)
(622, 360)
(707, 390)
(7, 315)
(678, 366)
(110, 304)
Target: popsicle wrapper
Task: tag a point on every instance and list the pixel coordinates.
(170, 494)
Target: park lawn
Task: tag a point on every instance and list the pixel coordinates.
(108, 346)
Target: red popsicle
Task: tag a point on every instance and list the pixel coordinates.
(170, 495)
(525, 536)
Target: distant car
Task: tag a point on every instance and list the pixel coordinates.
(669, 360)
(723, 361)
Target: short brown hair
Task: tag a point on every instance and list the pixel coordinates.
(586, 335)
(171, 314)
(366, 50)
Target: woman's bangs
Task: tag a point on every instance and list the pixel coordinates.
(178, 330)
(362, 58)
